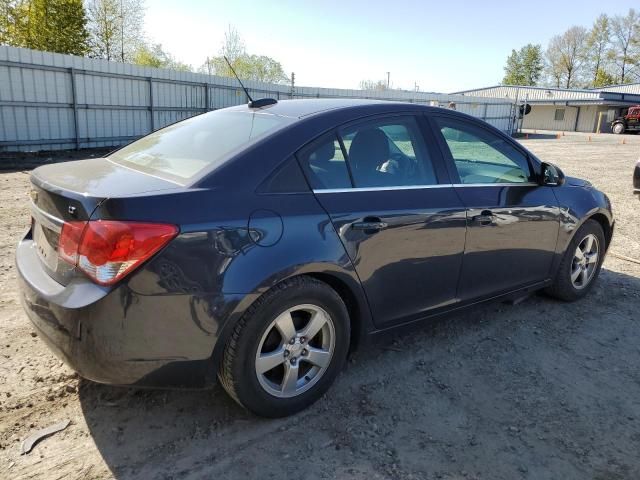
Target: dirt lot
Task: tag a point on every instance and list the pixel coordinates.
(538, 390)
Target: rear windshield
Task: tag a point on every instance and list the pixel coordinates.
(183, 150)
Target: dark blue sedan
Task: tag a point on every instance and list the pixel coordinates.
(261, 245)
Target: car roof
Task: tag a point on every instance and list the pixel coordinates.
(300, 108)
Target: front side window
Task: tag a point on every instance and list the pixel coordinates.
(181, 151)
(481, 156)
(388, 153)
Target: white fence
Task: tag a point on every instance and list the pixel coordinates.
(50, 101)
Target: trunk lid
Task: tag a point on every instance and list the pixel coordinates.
(71, 191)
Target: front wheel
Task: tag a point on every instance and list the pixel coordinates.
(287, 349)
(618, 128)
(580, 264)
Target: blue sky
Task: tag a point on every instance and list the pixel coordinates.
(441, 46)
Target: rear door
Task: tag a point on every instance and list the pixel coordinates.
(399, 218)
(512, 221)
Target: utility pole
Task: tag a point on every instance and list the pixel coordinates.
(121, 32)
(293, 83)
(388, 79)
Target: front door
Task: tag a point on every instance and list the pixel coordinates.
(402, 228)
(512, 221)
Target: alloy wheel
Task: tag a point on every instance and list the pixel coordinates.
(295, 351)
(585, 261)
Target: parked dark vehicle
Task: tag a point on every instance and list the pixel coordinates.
(262, 245)
(636, 178)
(629, 121)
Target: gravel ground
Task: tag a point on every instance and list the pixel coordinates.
(538, 390)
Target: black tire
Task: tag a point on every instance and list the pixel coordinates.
(617, 128)
(237, 371)
(563, 287)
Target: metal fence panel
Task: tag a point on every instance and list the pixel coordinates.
(51, 101)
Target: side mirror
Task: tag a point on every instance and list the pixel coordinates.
(551, 176)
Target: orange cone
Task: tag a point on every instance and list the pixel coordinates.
(624, 141)
(589, 137)
(526, 136)
(558, 136)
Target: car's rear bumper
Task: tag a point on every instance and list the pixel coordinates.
(118, 336)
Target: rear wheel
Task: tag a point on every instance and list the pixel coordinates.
(618, 128)
(581, 263)
(287, 349)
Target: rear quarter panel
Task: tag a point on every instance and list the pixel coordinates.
(233, 246)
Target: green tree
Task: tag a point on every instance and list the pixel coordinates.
(532, 63)
(524, 66)
(116, 28)
(6, 13)
(598, 45)
(626, 43)
(603, 79)
(566, 56)
(372, 85)
(513, 70)
(251, 67)
(154, 56)
(51, 25)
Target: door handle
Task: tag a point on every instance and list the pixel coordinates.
(486, 217)
(371, 224)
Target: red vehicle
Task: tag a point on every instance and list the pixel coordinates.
(628, 122)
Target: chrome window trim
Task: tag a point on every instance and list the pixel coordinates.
(379, 189)
(420, 187)
(510, 184)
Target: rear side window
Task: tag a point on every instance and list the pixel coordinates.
(181, 151)
(381, 153)
(480, 156)
(325, 164)
(388, 153)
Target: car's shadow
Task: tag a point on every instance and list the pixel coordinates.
(198, 434)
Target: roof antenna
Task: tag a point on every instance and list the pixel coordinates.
(262, 102)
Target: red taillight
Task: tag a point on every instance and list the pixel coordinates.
(70, 241)
(107, 250)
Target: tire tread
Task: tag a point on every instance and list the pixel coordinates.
(230, 353)
(561, 288)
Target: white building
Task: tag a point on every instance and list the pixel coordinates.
(562, 109)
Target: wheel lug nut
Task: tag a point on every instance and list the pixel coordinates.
(286, 353)
(292, 341)
(293, 361)
(302, 339)
(305, 352)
